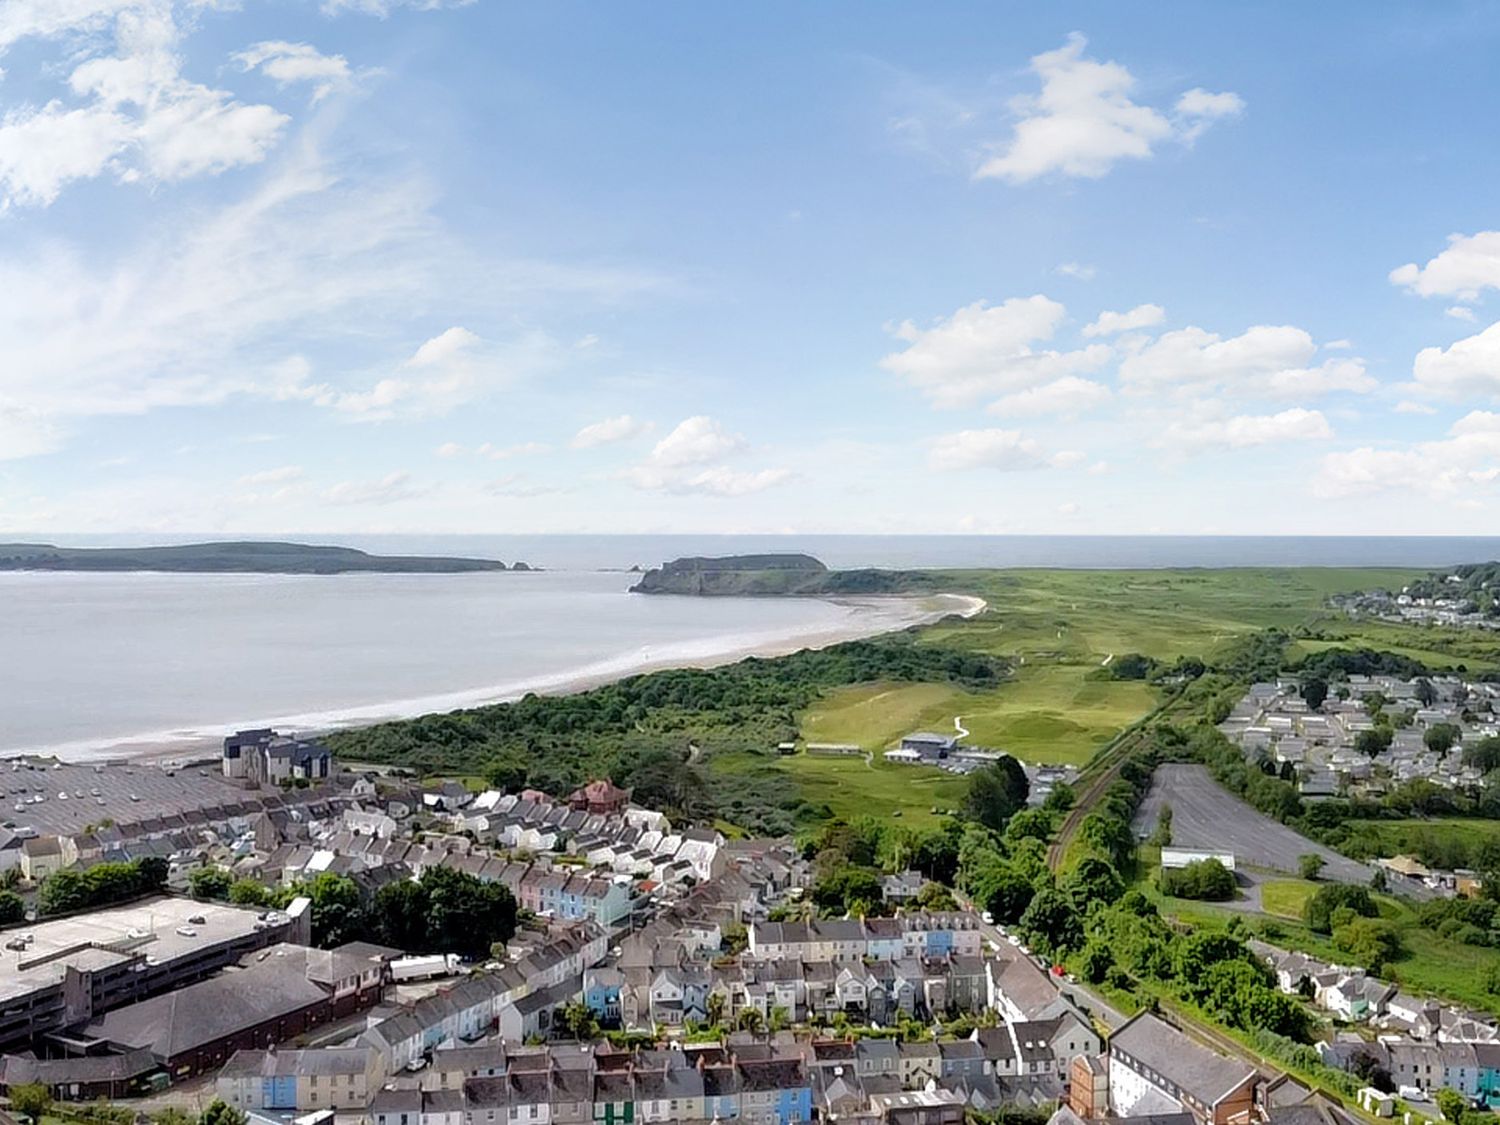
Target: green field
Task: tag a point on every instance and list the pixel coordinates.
(1057, 627)
(1285, 898)
(851, 787)
(1048, 713)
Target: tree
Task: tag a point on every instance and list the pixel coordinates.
(1451, 1104)
(31, 1099)
(1310, 865)
(220, 1112)
(12, 908)
(336, 913)
(1319, 911)
(1092, 881)
(1371, 942)
(1374, 742)
(576, 1021)
(247, 892)
(1206, 880)
(839, 891)
(1441, 737)
(1051, 923)
(935, 896)
(715, 1006)
(751, 1020)
(465, 914)
(1426, 694)
(1485, 754)
(210, 883)
(1161, 837)
(400, 914)
(996, 793)
(1314, 692)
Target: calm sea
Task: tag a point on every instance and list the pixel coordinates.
(91, 661)
(598, 552)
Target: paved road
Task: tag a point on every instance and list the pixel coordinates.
(1081, 995)
(1206, 815)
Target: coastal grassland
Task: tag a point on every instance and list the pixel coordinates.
(845, 787)
(1047, 712)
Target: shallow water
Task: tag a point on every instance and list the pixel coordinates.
(90, 660)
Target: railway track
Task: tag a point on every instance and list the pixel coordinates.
(1107, 762)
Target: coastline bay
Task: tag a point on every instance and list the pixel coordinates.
(99, 665)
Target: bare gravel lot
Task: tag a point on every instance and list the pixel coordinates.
(1206, 815)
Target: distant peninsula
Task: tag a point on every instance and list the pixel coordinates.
(244, 557)
(789, 575)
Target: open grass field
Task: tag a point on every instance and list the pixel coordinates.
(849, 787)
(1057, 627)
(1286, 898)
(1048, 713)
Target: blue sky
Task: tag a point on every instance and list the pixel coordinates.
(372, 266)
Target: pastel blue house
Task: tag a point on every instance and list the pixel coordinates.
(601, 994)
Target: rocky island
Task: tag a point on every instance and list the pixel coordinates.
(234, 558)
(788, 575)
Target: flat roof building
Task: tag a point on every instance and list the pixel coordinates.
(71, 970)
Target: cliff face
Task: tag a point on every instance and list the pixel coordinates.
(740, 575)
(777, 576)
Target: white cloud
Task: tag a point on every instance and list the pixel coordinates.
(507, 452)
(1407, 406)
(288, 63)
(1466, 368)
(1197, 109)
(695, 441)
(1460, 312)
(383, 8)
(983, 349)
(389, 489)
(1067, 509)
(1084, 120)
(1451, 468)
(282, 475)
(1112, 323)
(452, 368)
(1006, 450)
(1246, 430)
(450, 449)
(609, 431)
(134, 115)
(1077, 270)
(681, 463)
(1470, 264)
(1271, 361)
(1068, 396)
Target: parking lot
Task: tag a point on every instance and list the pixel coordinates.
(1206, 815)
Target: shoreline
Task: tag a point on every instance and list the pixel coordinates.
(871, 616)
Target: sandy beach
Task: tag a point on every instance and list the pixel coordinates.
(866, 617)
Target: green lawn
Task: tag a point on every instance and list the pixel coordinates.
(1285, 898)
(1049, 713)
(849, 787)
